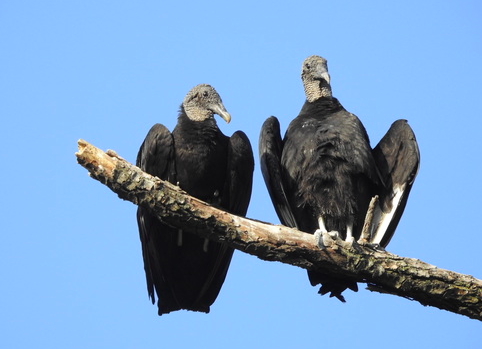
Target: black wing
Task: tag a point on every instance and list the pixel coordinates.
(236, 197)
(398, 158)
(270, 150)
(156, 158)
(155, 155)
(239, 175)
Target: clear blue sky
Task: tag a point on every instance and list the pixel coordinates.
(70, 259)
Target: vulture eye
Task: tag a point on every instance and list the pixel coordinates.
(205, 93)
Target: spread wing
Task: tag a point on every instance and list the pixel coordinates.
(270, 150)
(398, 158)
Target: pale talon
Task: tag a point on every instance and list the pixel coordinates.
(329, 238)
(334, 235)
(350, 240)
(325, 238)
(318, 235)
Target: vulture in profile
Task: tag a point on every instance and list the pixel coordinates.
(184, 270)
(323, 174)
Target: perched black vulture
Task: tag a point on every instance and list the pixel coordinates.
(187, 271)
(322, 176)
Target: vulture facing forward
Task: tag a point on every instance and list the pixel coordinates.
(322, 176)
(184, 270)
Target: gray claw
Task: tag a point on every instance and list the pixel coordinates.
(326, 239)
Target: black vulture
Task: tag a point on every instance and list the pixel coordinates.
(186, 271)
(323, 174)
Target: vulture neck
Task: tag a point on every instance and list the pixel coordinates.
(315, 89)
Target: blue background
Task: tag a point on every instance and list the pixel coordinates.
(70, 260)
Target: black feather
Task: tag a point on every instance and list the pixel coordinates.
(212, 167)
(325, 167)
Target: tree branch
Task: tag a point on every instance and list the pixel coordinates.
(382, 271)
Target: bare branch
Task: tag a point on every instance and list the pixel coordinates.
(382, 271)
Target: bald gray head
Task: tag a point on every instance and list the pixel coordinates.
(202, 102)
(315, 77)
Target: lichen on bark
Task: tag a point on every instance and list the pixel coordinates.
(381, 270)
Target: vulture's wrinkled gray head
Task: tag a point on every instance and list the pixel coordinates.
(202, 102)
(315, 77)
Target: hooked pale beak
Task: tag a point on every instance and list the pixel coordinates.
(322, 73)
(221, 111)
